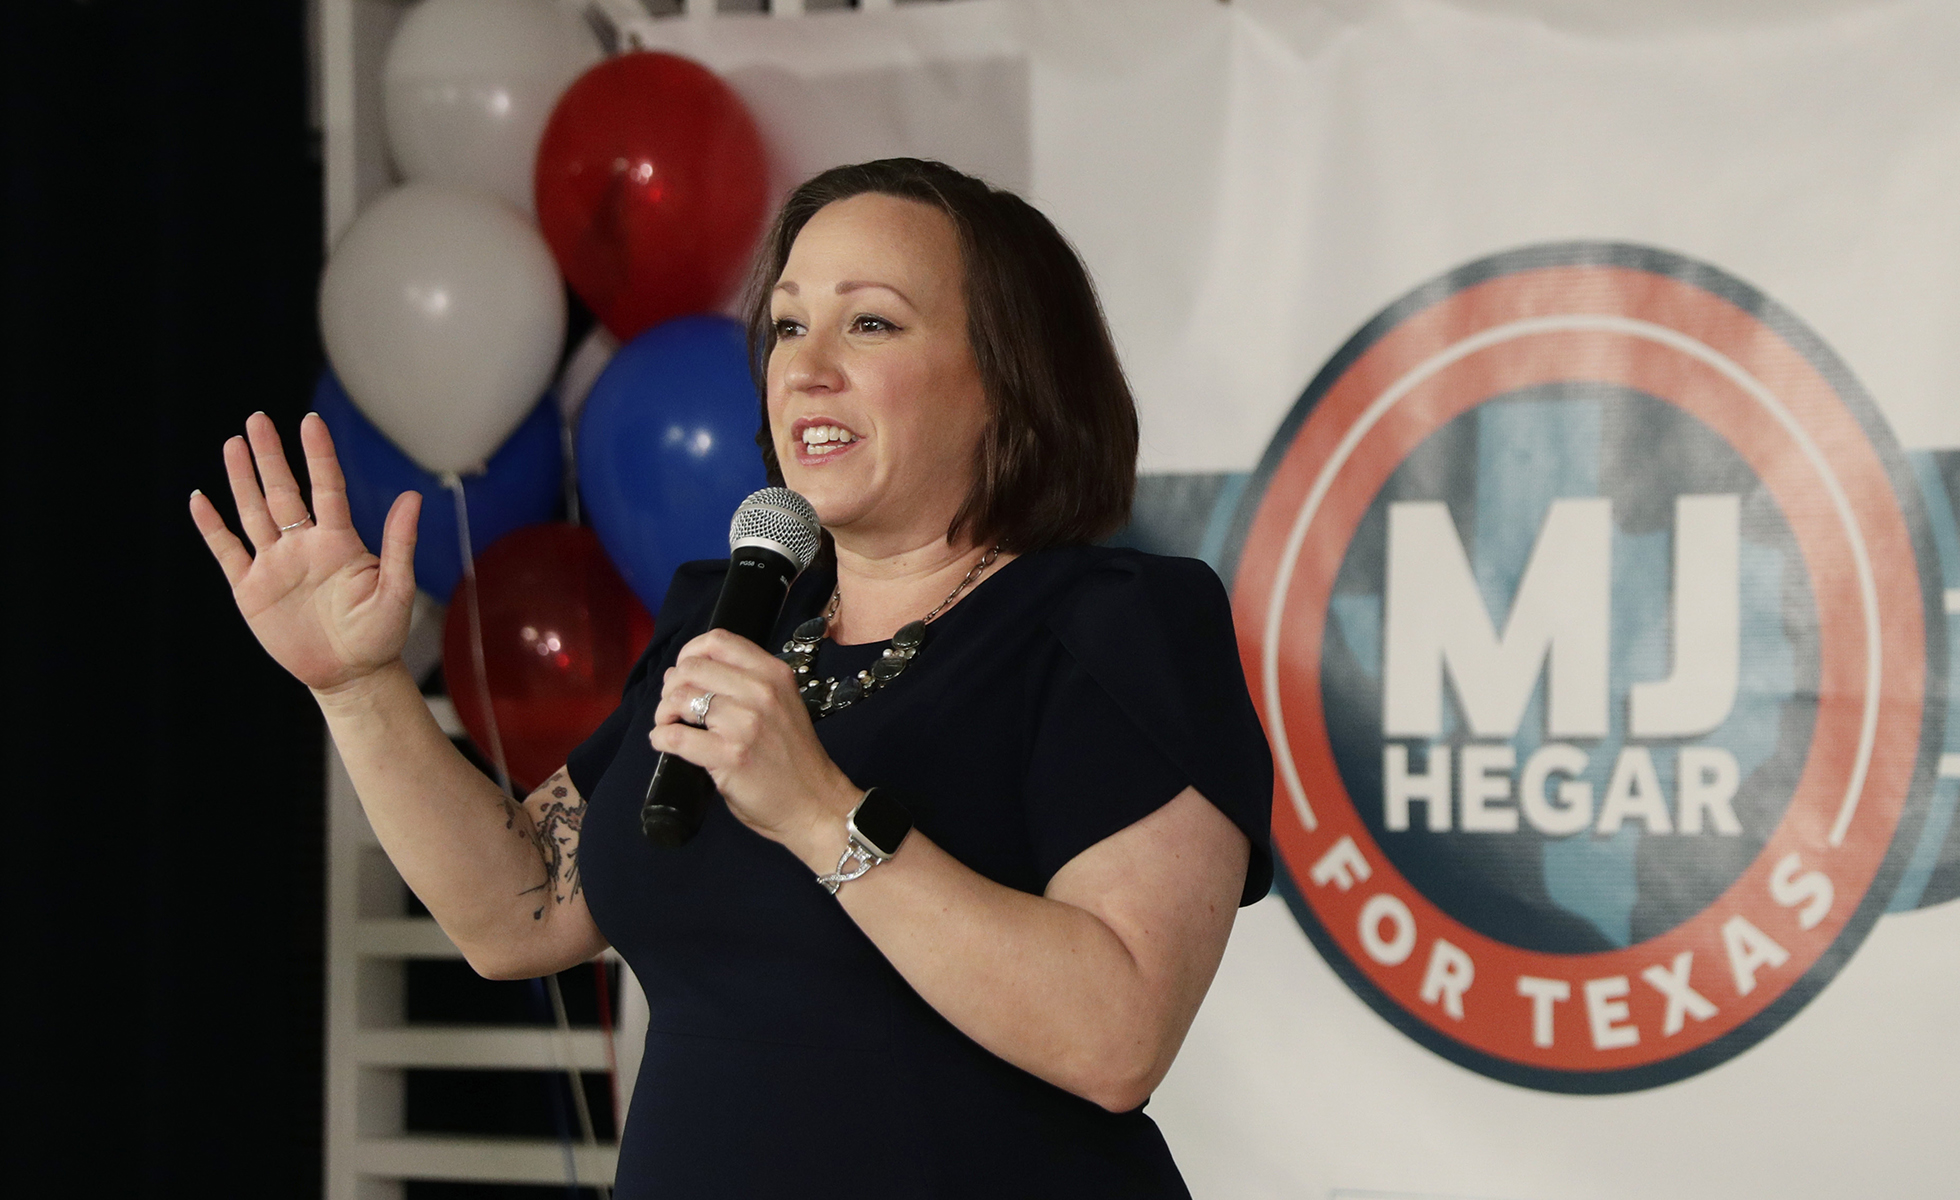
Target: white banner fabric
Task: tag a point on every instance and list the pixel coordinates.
(1251, 183)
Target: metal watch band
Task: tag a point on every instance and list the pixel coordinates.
(860, 853)
(855, 861)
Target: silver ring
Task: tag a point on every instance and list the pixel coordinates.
(307, 519)
(699, 708)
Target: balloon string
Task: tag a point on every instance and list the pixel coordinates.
(481, 673)
(576, 1076)
(568, 442)
(606, 1032)
(566, 1146)
(454, 483)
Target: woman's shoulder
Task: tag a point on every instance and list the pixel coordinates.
(1100, 586)
(695, 586)
(1129, 617)
(1156, 635)
(684, 611)
(1122, 566)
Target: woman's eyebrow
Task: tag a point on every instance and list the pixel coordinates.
(852, 285)
(788, 287)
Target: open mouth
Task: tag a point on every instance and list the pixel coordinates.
(820, 439)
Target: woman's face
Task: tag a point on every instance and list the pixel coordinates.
(875, 401)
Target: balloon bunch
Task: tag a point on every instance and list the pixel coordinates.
(529, 161)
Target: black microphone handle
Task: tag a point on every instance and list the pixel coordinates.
(751, 599)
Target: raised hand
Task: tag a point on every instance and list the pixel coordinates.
(321, 605)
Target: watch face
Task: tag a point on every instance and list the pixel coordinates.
(882, 820)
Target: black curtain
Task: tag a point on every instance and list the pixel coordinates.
(161, 252)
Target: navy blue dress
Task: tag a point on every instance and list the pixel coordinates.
(1073, 692)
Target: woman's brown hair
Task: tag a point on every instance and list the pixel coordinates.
(1057, 463)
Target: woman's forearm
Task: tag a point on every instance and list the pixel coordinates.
(470, 853)
(1094, 997)
(1043, 984)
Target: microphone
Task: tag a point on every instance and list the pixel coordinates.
(773, 536)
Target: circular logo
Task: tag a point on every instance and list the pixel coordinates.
(1591, 612)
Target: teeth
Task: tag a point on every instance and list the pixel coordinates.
(823, 439)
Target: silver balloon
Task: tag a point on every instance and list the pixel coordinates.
(468, 85)
(443, 314)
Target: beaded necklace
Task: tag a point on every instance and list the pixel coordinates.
(828, 695)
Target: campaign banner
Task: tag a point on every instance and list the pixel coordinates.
(1569, 397)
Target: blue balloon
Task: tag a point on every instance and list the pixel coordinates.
(666, 449)
(524, 484)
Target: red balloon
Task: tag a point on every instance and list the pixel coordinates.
(651, 189)
(561, 631)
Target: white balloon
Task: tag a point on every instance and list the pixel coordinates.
(443, 315)
(468, 85)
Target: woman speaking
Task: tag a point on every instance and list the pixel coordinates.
(992, 793)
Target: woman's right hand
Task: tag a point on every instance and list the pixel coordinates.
(321, 605)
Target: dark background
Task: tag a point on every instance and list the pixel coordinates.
(162, 245)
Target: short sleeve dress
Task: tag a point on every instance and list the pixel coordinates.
(1069, 695)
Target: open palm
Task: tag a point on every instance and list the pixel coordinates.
(324, 607)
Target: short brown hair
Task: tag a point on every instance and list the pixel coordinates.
(1057, 463)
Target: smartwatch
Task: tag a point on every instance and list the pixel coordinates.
(872, 834)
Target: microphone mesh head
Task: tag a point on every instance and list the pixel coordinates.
(778, 515)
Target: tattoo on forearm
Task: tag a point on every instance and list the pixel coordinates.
(555, 834)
